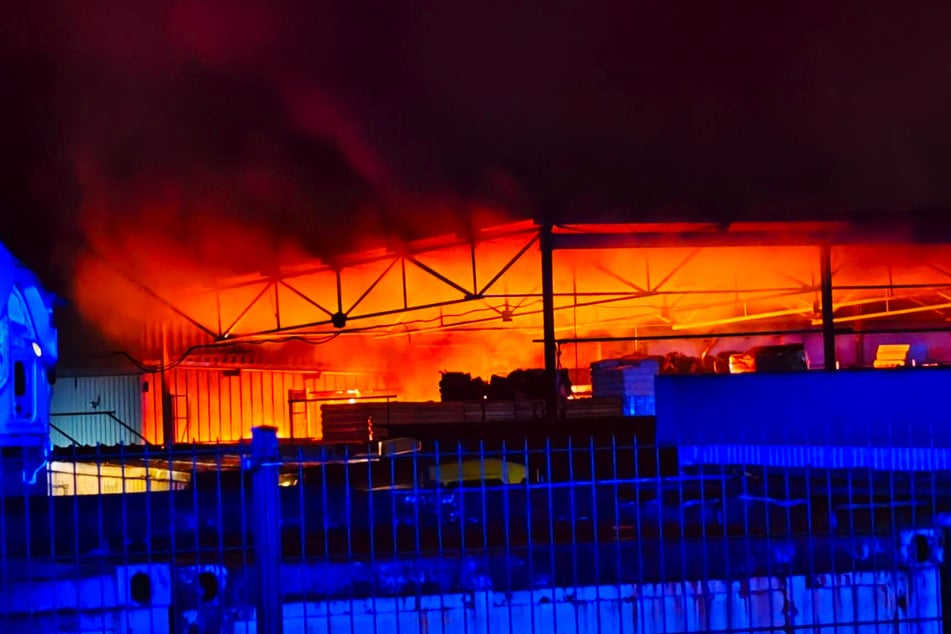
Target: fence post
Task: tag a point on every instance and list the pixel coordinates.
(265, 465)
(944, 587)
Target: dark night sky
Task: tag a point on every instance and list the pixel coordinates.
(326, 121)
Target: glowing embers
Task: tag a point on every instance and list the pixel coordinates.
(778, 358)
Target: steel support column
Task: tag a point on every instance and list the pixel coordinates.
(828, 315)
(167, 407)
(548, 319)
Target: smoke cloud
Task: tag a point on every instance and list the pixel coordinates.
(188, 139)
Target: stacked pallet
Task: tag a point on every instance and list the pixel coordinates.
(348, 423)
(631, 381)
(359, 422)
(421, 413)
(594, 408)
(531, 384)
(500, 411)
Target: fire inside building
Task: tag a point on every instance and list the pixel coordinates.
(562, 303)
(533, 428)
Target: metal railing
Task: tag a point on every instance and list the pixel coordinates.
(574, 532)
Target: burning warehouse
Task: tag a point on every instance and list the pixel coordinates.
(218, 354)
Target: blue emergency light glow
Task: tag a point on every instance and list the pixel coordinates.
(28, 355)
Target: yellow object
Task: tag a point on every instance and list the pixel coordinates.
(891, 355)
(469, 471)
(78, 478)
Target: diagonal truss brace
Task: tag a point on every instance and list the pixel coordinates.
(467, 295)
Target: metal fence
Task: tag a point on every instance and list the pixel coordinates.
(566, 533)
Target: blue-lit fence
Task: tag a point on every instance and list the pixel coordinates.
(568, 534)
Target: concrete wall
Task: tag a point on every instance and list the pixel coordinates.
(864, 602)
(117, 600)
(113, 602)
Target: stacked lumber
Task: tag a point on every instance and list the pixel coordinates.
(359, 422)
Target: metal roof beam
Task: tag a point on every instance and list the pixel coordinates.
(565, 241)
(877, 234)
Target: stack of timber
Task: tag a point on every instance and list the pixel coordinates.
(359, 422)
(531, 384)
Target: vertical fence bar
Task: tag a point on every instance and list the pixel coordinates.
(573, 514)
(529, 487)
(463, 520)
(350, 520)
(552, 548)
(616, 535)
(265, 464)
(486, 526)
(371, 544)
(437, 486)
(595, 525)
(394, 532)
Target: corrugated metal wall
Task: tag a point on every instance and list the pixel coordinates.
(218, 405)
(88, 409)
(207, 405)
